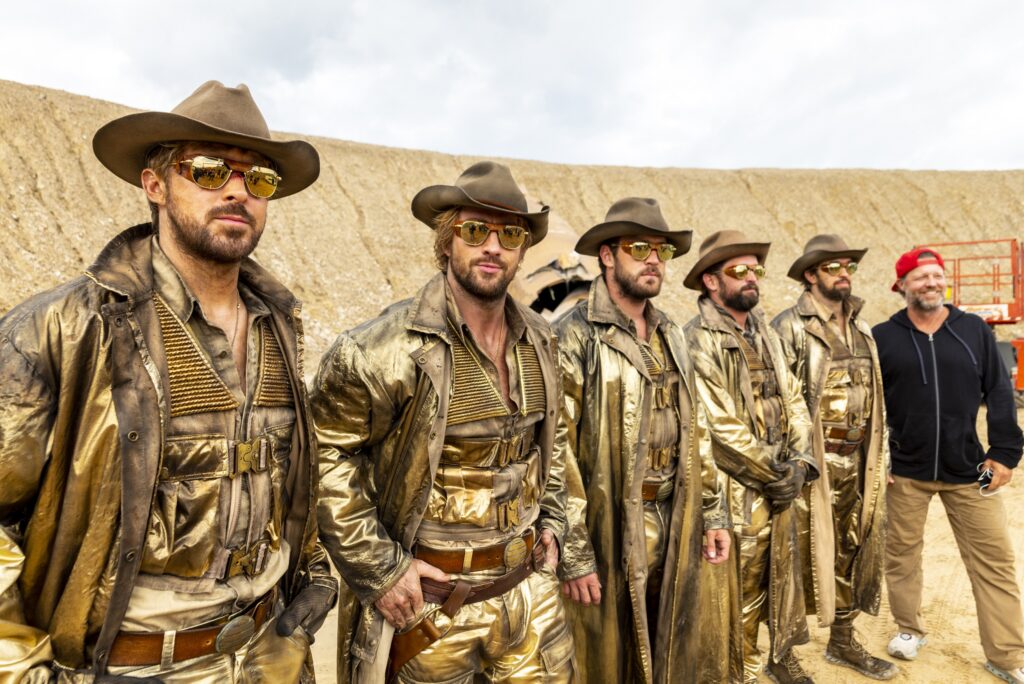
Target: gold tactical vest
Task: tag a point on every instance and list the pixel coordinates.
(488, 480)
(217, 509)
(663, 433)
(768, 409)
(846, 397)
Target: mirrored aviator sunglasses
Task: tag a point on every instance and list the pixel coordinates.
(740, 271)
(213, 173)
(475, 233)
(640, 250)
(834, 267)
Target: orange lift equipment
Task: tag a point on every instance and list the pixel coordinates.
(986, 277)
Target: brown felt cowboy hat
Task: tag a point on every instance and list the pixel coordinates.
(213, 113)
(722, 246)
(822, 248)
(633, 216)
(484, 185)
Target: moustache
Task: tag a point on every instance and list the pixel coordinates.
(750, 288)
(231, 210)
(490, 260)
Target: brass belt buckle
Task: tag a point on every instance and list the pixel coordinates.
(235, 634)
(515, 553)
(246, 456)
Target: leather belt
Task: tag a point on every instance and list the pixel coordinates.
(146, 648)
(843, 441)
(507, 555)
(652, 491)
(451, 596)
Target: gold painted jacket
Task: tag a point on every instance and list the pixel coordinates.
(608, 396)
(744, 461)
(801, 331)
(379, 404)
(81, 410)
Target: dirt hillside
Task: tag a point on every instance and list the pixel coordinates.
(349, 246)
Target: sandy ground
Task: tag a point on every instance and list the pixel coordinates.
(953, 653)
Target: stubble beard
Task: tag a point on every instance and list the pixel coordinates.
(916, 301)
(631, 287)
(196, 239)
(475, 285)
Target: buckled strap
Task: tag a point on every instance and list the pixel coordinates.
(251, 561)
(145, 648)
(440, 592)
(853, 434)
(248, 456)
(475, 560)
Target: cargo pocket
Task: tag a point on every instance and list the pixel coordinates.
(557, 653)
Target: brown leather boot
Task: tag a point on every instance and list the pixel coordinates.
(788, 670)
(844, 649)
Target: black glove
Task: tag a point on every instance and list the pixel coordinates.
(126, 679)
(309, 610)
(791, 480)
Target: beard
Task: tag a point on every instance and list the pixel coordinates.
(834, 293)
(743, 299)
(631, 287)
(915, 300)
(195, 238)
(478, 285)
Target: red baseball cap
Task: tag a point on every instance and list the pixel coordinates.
(914, 258)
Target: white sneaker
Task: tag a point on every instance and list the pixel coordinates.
(1013, 676)
(906, 646)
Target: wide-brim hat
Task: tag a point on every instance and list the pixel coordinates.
(484, 185)
(215, 114)
(721, 246)
(822, 248)
(633, 216)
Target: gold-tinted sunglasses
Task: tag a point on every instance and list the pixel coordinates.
(834, 267)
(476, 232)
(640, 250)
(213, 173)
(740, 271)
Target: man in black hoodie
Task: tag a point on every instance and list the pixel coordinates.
(938, 364)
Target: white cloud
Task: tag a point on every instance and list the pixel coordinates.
(915, 84)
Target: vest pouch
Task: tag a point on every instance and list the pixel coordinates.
(184, 532)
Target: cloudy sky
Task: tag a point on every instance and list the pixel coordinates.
(715, 83)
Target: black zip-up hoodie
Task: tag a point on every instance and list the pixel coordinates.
(934, 385)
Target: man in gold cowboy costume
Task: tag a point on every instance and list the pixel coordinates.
(832, 352)
(640, 439)
(155, 446)
(760, 431)
(443, 502)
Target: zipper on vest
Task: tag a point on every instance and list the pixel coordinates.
(938, 413)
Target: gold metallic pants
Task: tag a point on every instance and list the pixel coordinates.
(980, 528)
(656, 524)
(520, 636)
(847, 501)
(755, 556)
(266, 659)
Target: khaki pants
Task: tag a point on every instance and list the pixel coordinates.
(520, 636)
(979, 526)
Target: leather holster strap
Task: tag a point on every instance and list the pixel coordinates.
(145, 648)
(650, 491)
(451, 596)
(842, 448)
(484, 558)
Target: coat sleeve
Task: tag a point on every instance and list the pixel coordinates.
(578, 557)
(739, 453)
(714, 503)
(352, 412)
(800, 421)
(554, 503)
(1004, 434)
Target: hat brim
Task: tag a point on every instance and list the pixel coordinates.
(122, 146)
(436, 199)
(796, 271)
(591, 241)
(723, 253)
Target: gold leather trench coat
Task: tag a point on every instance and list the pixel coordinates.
(608, 402)
(379, 404)
(82, 406)
(744, 460)
(801, 331)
